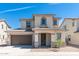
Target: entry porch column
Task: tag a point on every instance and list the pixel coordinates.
(48, 39)
(36, 42)
(53, 38)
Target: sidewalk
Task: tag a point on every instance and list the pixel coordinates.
(17, 51)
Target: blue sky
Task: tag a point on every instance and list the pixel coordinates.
(12, 12)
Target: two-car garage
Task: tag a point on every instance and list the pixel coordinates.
(20, 37)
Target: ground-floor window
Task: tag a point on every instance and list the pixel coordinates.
(69, 37)
(58, 35)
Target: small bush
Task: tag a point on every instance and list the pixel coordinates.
(58, 43)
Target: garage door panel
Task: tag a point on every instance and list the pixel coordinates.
(21, 39)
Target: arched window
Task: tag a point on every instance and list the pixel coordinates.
(43, 21)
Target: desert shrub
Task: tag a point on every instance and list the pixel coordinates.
(59, 43)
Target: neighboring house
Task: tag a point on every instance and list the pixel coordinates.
(3, 34)
(41, 30)
(71, 27)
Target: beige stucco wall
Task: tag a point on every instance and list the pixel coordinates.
(75, 39)
(38, 21)
(23, 24)
(3, 33)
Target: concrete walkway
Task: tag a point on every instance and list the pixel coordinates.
(19, 51)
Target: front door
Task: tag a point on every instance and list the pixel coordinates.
(43, 39)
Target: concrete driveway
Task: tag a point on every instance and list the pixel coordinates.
(15, 50)
(29, 51)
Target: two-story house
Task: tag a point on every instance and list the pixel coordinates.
(3, 34)
(41, 30)
(71, 27)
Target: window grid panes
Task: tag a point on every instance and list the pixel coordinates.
(43, 21)
(58, 35)
(55, 22)
(28, 24)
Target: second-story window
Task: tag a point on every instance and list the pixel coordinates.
(55, 22)
(65, 27)
(28, 24)
(43, 21)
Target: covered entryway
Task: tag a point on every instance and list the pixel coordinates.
(45, 39)
(48, 39)
(21, 39)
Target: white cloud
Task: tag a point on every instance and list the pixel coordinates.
(16, 9)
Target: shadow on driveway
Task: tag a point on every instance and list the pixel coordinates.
(23, 46)
(73, 45)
